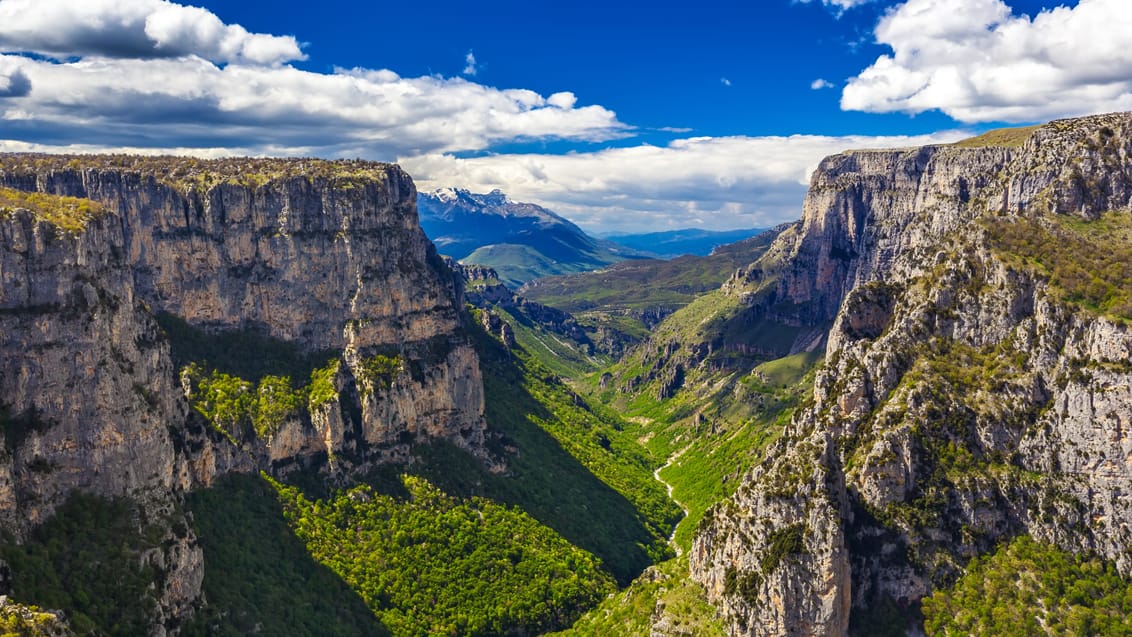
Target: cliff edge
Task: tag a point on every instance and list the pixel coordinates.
(164, 321)
(976, 383)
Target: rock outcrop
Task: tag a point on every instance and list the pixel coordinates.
(323, 257)
(965, 398)
(18, 619)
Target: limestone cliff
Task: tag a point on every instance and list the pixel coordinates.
(970, 393)
(325, 258)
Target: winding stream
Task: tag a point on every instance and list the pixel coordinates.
(667, 485)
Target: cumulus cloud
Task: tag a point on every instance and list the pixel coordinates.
(724, 81)
(721, 182)
(564, 99)
(154, 74)
(135, 28)
(13, 81)
(976, 61)
(820, 83)
(191, 102)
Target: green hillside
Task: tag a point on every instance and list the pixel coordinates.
(575, 510)
(631, 297)
(517, 263)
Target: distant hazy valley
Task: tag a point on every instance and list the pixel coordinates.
(298, 397)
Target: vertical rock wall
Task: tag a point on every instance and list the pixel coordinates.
(324, 256)
(962, 401)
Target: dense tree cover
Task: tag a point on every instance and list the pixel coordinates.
(259, 578)
(86, 559)
(569, 463)
(595, 437)
(231, 403)
(435, 564)
(1088, 262)
(553, 477)
(1031, 588)
(379, 371)
(664, 593)
(323, 388)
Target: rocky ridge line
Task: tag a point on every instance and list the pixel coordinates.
(962, 401)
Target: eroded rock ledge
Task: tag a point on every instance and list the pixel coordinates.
(965, 399)
(324, 257)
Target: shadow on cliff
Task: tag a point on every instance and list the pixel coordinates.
(259, 577)
(248, 353)
(542, 477)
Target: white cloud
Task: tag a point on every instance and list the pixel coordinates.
(723, 182)
(976, 61)
(564, 100)
(724, 81)
(820, 83)
(470, 67)
(14, 146)
(134, 28)
(154, 74)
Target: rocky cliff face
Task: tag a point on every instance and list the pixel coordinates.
(325, 257)
(968, 396)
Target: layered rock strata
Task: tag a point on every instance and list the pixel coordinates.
(965, 399)
(325, 257)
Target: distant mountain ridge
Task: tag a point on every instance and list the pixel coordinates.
(627, 300)
(675, 243)
(521, 241)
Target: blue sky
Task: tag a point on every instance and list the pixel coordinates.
(623, 116)
(657, 64)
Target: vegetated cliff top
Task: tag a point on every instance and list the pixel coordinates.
(1016, 137)
(68, 213)
(1003, 137)
(188, 173)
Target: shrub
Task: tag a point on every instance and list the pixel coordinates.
(379, 371)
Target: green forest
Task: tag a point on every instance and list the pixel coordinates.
(1030, 588)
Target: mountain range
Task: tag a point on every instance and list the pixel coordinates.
(521, 241)
(250, 396)
(674, 243)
